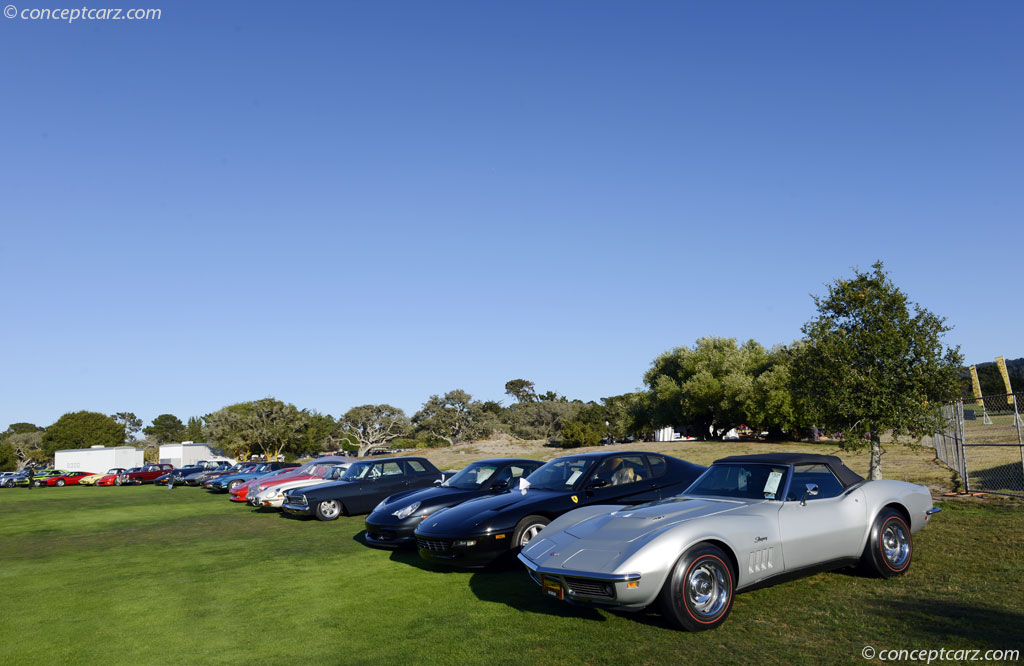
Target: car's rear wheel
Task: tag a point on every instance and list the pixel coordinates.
(60, 482)
(328, 510)
(699, 590)
(527, 529)
(890, 545)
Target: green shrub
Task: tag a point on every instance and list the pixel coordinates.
(576, 434)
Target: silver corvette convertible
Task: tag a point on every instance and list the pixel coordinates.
(747, 522)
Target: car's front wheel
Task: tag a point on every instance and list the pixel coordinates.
(699, 590)
(527, 529)
(328, 510)
(890, 545)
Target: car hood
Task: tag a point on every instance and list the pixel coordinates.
(630, 523)
(496, 512)
(326, 487)
(430, 499)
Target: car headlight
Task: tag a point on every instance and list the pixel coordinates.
(465, 542)
(406, 511)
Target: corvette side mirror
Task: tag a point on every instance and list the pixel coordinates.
(597, 483)
(500, 486)
(810, 490)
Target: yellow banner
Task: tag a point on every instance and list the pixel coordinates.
(975, 385)
(1001, 364)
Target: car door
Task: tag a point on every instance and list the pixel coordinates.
(822, 527)
(383, 479)
(418, 476)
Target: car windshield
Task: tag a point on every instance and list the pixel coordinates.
(320, 469)
(742, 481)
(356, 471)
(114, 470)
(560, 474)
(472, 477)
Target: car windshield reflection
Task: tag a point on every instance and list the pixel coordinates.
(472, 477)
(741, 481)
(560, 474)
(356, 471)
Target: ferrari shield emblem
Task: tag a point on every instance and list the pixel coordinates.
(575, 500)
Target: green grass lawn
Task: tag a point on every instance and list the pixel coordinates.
(151, 576)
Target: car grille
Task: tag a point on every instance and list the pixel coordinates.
(588, 588)
(295, 499)
(382, 535)
(436, 545)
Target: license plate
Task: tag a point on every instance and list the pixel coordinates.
(552, 586)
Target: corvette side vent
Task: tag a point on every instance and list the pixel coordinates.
(761, 560)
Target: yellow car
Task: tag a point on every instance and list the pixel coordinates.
(90, 480)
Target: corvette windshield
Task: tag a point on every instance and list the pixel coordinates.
(472, 477)
(742, 481)
(560, 474)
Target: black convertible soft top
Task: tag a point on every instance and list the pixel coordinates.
(845, 475)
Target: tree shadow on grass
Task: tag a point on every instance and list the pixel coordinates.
(941, 619)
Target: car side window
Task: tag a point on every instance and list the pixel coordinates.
(416, 466)
(658, 466)
(821, 476)
(620, 470)
(388, 469)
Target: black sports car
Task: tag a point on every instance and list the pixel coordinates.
(392, 523)
(477, 532)
(361, 487)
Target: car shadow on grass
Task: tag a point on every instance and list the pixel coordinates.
(512, 586)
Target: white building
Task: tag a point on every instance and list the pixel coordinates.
(98, 458)
(187, 453)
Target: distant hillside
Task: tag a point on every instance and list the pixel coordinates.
(990, 379)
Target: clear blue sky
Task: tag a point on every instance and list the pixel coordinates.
(340, 203)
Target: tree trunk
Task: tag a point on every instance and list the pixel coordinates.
(875, 472)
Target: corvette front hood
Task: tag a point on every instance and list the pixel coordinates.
(637, 522)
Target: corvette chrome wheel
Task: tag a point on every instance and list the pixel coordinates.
(698, 592)
(707, 588)
(895, 544)
(890, 545)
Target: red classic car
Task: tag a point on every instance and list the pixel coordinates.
(145, 474)
(69, 479)
(110, 478)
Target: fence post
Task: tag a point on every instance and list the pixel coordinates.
(961, 434)
(1020, 442)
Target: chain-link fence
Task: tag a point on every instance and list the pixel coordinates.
(983, 441)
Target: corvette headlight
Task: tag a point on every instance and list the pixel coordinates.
(407, 511)
(465, 542)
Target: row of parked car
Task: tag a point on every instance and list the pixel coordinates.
(623, 529)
